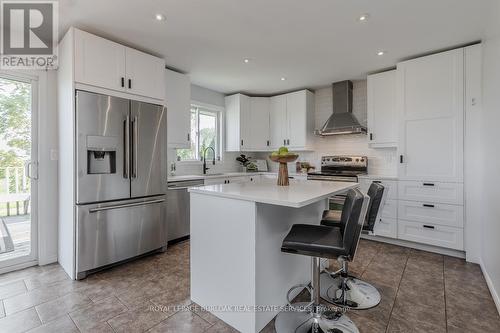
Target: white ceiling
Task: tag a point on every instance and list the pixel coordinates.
(311, 43)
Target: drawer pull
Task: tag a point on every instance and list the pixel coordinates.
(427, 205)
(428, 226)
(428, 184)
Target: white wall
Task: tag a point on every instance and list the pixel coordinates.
(47, 184)
(490, 255)
(380, 161)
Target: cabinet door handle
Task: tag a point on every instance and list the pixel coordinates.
(288, 142)
(371, 136)
(428, 184)
(123, 82)
(284, 142)
(428, 226)
(428, 206)
(130, 83)
(268, 143)
(242, 142)
(401, 159)
(189, 137)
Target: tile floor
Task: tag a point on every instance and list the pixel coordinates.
(421, 292)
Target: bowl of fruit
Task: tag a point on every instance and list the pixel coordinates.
(283, 156)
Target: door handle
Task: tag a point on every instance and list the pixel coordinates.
(126, 143)
(428, 226)
(134, 146)
(135, 204)
(371, 136)
(28, 170)
(130, 83)
(123, 82)
(428, 206)
(284, 142)
(428, 184)
(401, 159)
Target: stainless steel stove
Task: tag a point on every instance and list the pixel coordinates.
(340, 168)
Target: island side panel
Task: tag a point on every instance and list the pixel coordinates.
(223, 257)
(277, 272)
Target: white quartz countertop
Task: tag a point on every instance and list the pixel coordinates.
(225, 175)
(300, 193)
(382, 177)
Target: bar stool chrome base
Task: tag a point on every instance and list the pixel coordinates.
(308, 322)
(359, 295)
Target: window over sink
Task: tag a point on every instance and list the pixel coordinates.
(206, 131)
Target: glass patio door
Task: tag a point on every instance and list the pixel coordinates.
(18, 171)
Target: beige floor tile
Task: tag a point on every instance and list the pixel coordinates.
(45, 278)
(182, 321)
(20, 322)
(38, 296)
(12, 289)
(139, 319)
(63, 325)
(92, 317)
(60, 306)
(221, 327)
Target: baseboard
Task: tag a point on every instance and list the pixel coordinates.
(47, 261)
(417, 246)
(17, 267)
(491, 287)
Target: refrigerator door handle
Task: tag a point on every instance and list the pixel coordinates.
(143, 203)
(134, 147)
(126, 141)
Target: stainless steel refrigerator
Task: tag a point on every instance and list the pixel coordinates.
(121, 162)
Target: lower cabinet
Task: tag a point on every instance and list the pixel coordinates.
(432, 234)
(386, 227)
(421, 211)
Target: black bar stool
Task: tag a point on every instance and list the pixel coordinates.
(318, 242)
(339, 287)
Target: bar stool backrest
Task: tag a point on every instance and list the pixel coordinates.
(355, 222)
(376, 192)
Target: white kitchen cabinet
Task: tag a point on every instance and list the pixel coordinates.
(292, 120)
(432, 234)
(237, 122)
(449, 193)
(382, 110)
(386, 227)
(278, 125)
(431, 117)
(258, 126)
(105, 64)
(144, 72)
(99, 62)
(178, 102)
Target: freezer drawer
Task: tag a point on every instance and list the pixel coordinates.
(111, 232)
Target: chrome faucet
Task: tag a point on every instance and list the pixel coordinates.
(205, 168)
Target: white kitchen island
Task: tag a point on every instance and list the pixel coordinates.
(238, 271)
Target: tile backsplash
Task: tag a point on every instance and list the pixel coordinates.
(380, 161)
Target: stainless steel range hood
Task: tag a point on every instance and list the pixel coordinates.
(342, 121)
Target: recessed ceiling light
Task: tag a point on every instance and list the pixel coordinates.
(380, 53)
(246, 61)
(160, 17)
(283, 78)
(364, 18)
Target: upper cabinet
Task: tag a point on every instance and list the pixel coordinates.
(144, 72)
(431, 117)
(266, 123)
(178, 102)
(237, 122)
(105, 64)
(382, 110)
(259, 123)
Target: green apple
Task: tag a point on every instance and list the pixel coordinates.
(283, 150)
(275, 153)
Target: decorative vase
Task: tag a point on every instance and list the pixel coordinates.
(283, 171)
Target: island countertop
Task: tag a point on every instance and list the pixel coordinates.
(300, 193)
